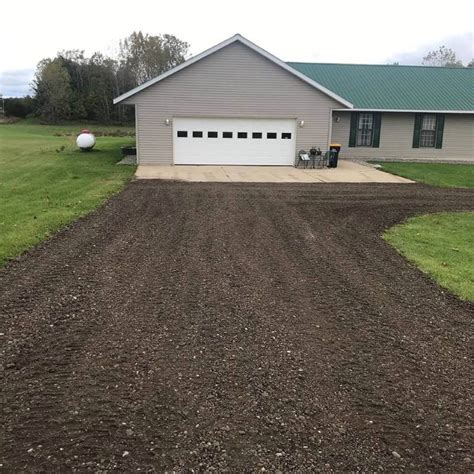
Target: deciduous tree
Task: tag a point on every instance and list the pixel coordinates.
(442, 57)
(146, 56)
(53, 90)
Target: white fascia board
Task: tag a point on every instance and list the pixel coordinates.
(408, 111)
(221, 45)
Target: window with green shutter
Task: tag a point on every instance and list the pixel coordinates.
(365, 129)
(428, 131)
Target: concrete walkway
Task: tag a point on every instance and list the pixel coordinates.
(346, 172)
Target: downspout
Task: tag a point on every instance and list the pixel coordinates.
(329, 129)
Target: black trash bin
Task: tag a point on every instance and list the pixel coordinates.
(334, 149)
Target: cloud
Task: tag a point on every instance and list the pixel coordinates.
(16, 83)
(461, 44)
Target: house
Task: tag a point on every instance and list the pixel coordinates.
(236, 104)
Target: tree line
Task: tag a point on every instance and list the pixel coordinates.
(72, 86)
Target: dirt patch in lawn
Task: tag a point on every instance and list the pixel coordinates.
(239, 327)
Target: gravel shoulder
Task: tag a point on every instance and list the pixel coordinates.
(236, 327)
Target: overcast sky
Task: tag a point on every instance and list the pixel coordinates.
(363, 31)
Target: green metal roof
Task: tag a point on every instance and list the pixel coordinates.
(396, 87)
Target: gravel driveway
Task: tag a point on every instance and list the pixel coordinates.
(236, 327)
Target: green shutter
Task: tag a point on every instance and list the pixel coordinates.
(417, 130)
(353, 131)
(376, 131)
(439, 131)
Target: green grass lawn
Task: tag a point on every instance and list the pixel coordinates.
(441, 245)
(45, 182)
(436, 174)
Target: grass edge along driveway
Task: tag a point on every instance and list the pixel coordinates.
(46, 182)
(441, 245)
(448, 175)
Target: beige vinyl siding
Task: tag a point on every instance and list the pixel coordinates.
(396, 138)
(233, 82)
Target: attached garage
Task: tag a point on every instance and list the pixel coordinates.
(234, 104)
(240, 141)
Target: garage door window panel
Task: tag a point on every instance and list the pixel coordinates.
(182, 134)
(241, 134)
(271, 135)
(286, 136)
(257, 135)
(197, 134)
(212, 134)
(227, 134)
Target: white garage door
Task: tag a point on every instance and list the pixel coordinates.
(213, 141)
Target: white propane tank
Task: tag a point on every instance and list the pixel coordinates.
(86, 140)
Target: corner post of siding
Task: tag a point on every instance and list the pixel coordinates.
(329, 129)
(136, 134)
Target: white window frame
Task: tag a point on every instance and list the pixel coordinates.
(428, 131)
(365, 129)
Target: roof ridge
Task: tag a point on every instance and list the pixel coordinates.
(384, 65)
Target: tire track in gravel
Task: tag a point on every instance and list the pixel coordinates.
(64, 330)
(352, 267)
(235, 327)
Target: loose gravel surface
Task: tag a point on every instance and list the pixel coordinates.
(236, 327)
